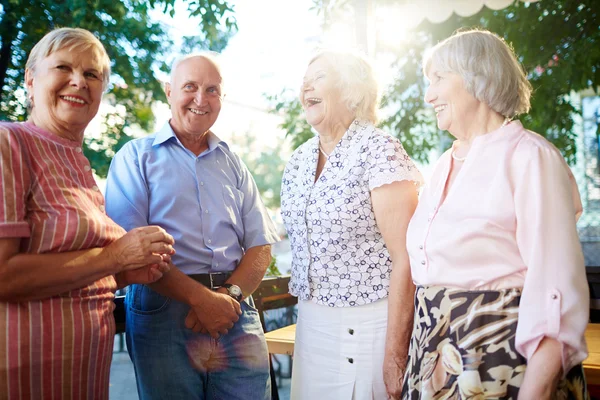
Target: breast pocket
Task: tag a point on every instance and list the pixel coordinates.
(233, 200)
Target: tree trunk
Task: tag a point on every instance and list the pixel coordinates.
(8, 34)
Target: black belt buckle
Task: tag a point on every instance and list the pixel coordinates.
(212, 280)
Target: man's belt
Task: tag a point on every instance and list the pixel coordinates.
(213, 280)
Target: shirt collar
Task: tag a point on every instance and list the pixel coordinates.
(167, 133)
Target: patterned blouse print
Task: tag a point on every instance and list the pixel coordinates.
(339, 257)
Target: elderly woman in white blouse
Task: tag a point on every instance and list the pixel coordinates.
(346, 200)
(502, 298)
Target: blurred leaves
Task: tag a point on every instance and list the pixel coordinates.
(287, 104)
(558, 42)
(137, 45)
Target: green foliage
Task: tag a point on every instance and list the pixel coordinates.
(137, 45)
(272, 269)
(266, 167)
(558, 42)
(294, 124)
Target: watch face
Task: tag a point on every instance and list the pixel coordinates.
(235, 290)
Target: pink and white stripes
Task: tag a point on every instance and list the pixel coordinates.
(61, 347)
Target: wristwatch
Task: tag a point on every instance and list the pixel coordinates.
(234, 291)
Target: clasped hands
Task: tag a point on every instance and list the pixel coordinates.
(215, 313)
(142, 255)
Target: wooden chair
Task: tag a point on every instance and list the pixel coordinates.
(272, 294)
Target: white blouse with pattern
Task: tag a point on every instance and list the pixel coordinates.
(339, 258)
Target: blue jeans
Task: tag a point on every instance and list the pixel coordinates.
(172, 362)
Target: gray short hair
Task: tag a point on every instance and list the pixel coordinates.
(489, 67)
(211, 56)
(354, 77)
(73, 39)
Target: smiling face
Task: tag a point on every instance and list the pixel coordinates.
(320, 97)
(195, 96)
(454, 105)
(65, 89)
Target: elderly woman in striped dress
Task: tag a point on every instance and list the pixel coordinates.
(61, 257)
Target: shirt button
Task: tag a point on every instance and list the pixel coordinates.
(95, 188)
(423, 262)
(351, 331)
(554, 297)
(217, 264)
(209, 241)
(87, 168)
(206, 211)
(429, 219)
(201, 183)
(351, 360)
(78, 150)
(420, 247)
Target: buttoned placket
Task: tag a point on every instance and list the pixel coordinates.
(308, 188)
(205, 213)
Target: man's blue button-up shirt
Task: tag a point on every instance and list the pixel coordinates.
(209, 203)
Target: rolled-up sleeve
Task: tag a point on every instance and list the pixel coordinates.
(555, 298)
(15, 181)
(126, 190)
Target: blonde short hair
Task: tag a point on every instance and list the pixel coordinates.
(354, 77)
(72, 39)
(489, 67)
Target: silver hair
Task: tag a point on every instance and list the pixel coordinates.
(489, 67)
(211, 56)
(355, 79)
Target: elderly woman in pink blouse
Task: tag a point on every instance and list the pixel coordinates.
(501, 304)
(61, 257)
(346, 199)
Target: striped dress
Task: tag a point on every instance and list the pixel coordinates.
(60, 347)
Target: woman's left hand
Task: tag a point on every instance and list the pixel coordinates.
(393, 374)
(544, 370)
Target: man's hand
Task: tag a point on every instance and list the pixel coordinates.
(215, 314)
(393, 374)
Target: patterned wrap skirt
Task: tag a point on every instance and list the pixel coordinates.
(463, 347)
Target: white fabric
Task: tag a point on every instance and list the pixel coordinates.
(438, 11)
(324, 345)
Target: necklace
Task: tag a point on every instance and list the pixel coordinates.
(323, 151)
(454, 156)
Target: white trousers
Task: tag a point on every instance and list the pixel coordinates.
(338, 353)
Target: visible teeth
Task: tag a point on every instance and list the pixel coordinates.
(73, 99)
(198, 112)
(440, 108)
(313, 100)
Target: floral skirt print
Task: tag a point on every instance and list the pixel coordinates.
(463, 347)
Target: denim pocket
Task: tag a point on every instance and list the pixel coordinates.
(145, 301)
(249, 303)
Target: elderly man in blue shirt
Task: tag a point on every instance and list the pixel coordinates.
(195, 334)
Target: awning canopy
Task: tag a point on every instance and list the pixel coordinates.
(437, 11)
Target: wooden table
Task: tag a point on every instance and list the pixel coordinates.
(281, 341)
(591, 365)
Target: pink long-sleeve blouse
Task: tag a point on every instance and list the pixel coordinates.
(508, 221)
